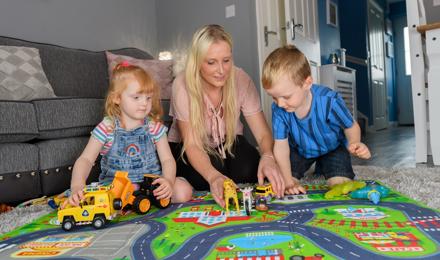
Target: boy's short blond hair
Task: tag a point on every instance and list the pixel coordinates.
(285, 60)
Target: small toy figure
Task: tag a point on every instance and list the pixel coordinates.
(230, 192)
(343, 188)
(372, 192)
(261, 204)
(247, 199)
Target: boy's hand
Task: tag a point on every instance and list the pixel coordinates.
(76, 195)
(269, 168)
(360, 150)
(293, 186)
(165, 189)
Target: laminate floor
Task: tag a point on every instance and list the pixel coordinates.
(392, 147)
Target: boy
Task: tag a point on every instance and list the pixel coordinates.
(310, 123)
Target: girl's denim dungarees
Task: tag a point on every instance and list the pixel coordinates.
(132, 151)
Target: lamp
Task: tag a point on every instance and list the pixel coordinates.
(165, 55)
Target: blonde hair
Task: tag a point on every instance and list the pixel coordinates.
(201, 41)
(120, 78)
(285, 60)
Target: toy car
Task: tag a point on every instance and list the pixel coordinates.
(98, 206)
(264, 191)
(147, 188)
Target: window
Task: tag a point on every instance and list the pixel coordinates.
(407, 53)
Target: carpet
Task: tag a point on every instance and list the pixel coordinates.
(295, 227)
(419, 183)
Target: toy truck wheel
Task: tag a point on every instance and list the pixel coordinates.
(68, 224)
(162, 203)
(142, 204)
(98, 222)
(117, 204)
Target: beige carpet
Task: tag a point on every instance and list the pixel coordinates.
(422, 184)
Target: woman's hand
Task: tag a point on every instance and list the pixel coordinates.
(165, 189)
(269, 168)
(216, 188)
(293, 186)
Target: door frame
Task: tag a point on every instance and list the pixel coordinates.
(266, 100)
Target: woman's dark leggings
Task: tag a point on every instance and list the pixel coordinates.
(241, 168)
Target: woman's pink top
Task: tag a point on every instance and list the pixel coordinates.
(248, 102)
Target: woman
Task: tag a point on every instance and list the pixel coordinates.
(206, 136)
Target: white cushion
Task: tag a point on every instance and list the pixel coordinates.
(21, 74)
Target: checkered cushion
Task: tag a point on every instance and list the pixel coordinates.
(21, 74)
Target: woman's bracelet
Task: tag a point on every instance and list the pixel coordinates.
(268, 156)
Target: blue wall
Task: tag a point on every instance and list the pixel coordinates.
(353, 31)
(395, 10)
(390, 76)
(354, 38)
(402, 85)
(329, 35)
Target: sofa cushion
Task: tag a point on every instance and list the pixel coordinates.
(18, 122)
(19, 176)
(67, 117)
(56, 159)
(75, 72)
(160, 70)
(21, 74)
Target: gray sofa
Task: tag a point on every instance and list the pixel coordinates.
(41, 139)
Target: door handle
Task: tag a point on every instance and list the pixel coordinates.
(291, 25)
(266, 35)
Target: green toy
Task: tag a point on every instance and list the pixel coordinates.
(343, 188)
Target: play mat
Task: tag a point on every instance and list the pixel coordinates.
(296, 227)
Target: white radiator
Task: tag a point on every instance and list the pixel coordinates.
(343, 80)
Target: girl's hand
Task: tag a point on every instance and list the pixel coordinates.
(293, 186)
(360, 150)
(216, 188)
(75, 197)
(269, 168)
(165, 189)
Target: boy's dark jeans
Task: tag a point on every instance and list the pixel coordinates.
(333, 164)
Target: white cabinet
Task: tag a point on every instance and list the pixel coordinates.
(343, 80)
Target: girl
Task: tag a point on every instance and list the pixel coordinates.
(131, 138)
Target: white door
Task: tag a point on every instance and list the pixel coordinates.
(276, 27)
(271, 35)
(302, 23)
(377, 65)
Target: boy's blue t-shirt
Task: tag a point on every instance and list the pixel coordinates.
(321, 131)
